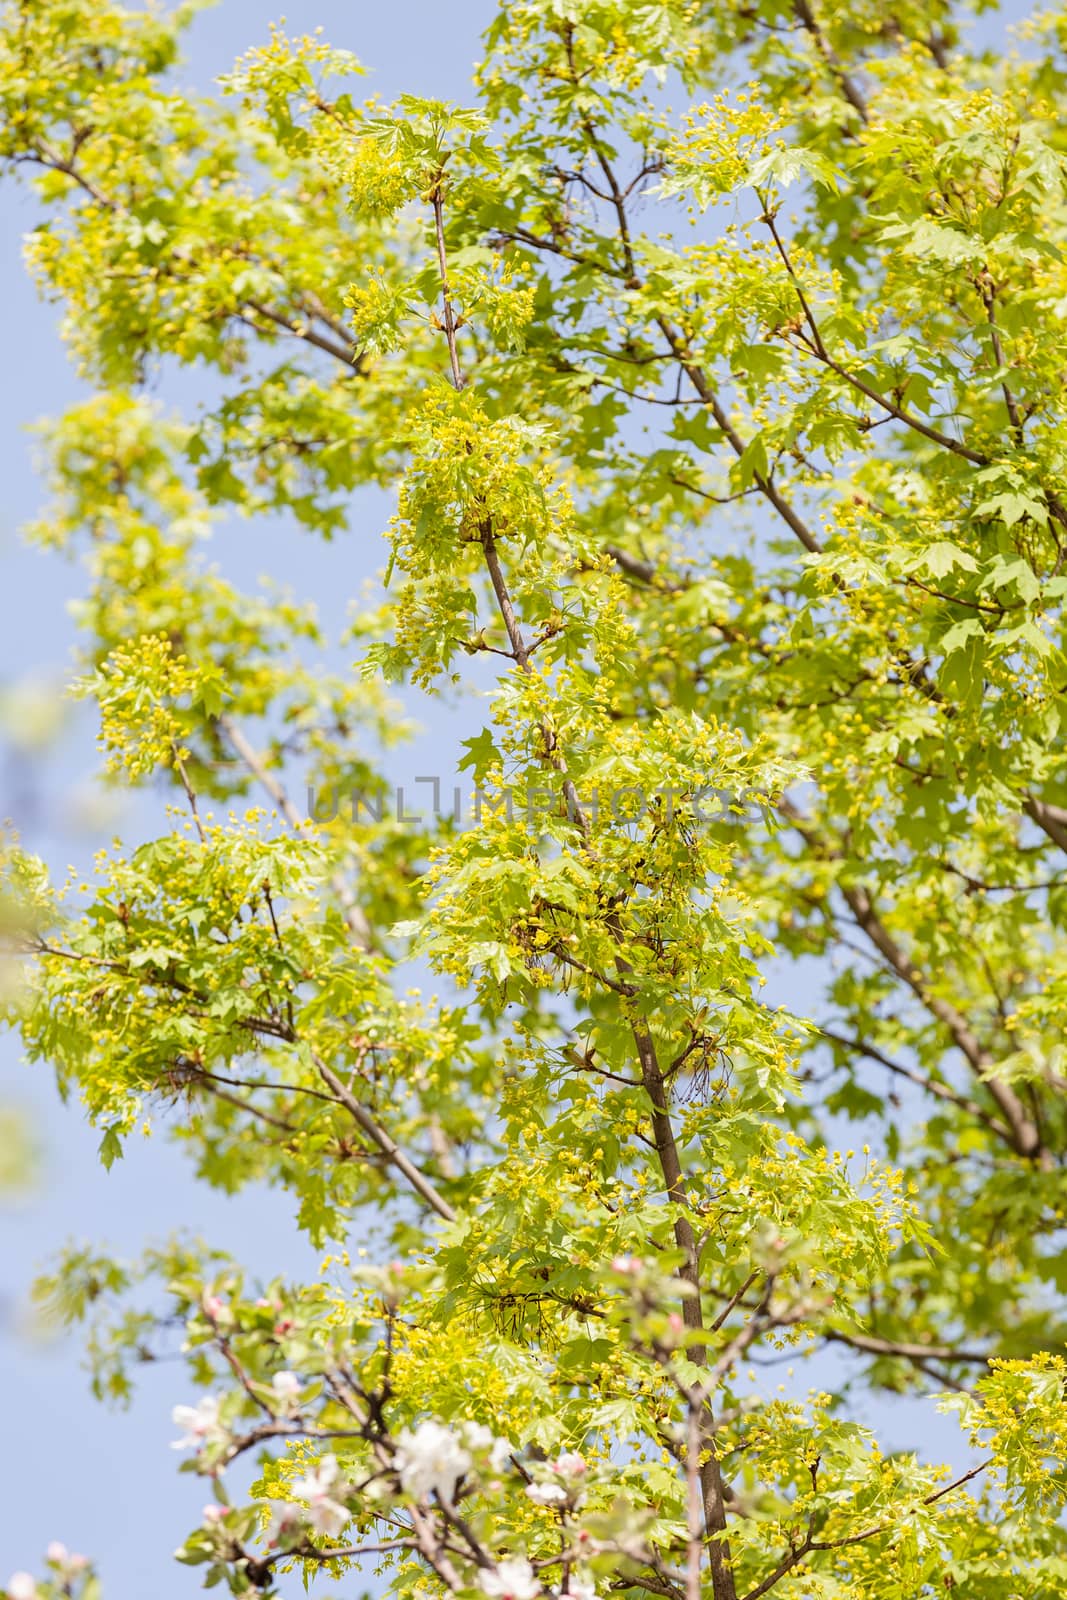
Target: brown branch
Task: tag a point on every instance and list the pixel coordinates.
(694, 1502)
(537, 241)
(385, 1142)
(219, 1093)
(940, 1090)
(815, 345)
(190, 793)
(350, 358)
(1052, 820)
(987, 290)
(1025, 1137)
(902, 1348)
(272, 1088)
(893, 408)
(785, 1566)
(1024, 1134)
(698, 379)
(806, 16)
(734, 1301)
(437, 201)
(810, 1544)
(43, 156)
(358, 925)
(644, 571)
(712, 1488)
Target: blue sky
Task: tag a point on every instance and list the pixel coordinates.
(105, 1482)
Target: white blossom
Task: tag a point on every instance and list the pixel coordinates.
(319, 1479)
(285, 1519)
(547, 1494)
(287, 1387)
(478, 1437)
(567, 1470)
(513, 1579)
(325, 1514)
(213, 1513)
(581, 1587)
(628, 1265)
(430, 1460)
(57, 1555)
(22, 1586)
(201, 1424)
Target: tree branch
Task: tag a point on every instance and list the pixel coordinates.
(385, 1142)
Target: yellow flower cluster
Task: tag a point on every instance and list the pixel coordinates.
(137, 689)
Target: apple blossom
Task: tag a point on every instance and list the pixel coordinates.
(201, 1424)
(581, 1587)
(430, 1459)
(22, 1586)
(57, 1555)
(285, 1520)
(214, 1513)
(325, 1514)
(482, 1439)
(547, 1494)
(513, 1579)
(571, 1468)
(286, 1387)
(628, 1266)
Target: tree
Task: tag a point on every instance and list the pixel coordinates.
(763, 533)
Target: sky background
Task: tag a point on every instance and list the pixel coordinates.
(104, 1481)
